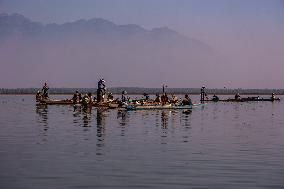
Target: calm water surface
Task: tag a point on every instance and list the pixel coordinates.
(223, 145)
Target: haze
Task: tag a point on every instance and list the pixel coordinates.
(233, 44)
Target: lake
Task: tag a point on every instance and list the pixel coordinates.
(220, 145)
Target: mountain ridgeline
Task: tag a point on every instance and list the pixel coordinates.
(98, 29)
(76, 54)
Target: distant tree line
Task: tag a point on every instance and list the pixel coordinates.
(138, 90)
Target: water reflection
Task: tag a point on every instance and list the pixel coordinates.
(237, 120)
(236, 109)
(77, 117)
(186, 124)
(83, 117)
(157, 118)
(186, 115)
(101, 122)
(86, 120)
(165, 119)
(87, 110)
(101, 117)
(42, 120)
(215, 112)
(164, 126)
(122, 117)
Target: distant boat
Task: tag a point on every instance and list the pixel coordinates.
(248, 99)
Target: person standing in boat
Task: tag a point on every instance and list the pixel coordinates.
(101, 90)
(123, 96)
(164, 99)
(186, 101)
(202, 94)
(44, 90)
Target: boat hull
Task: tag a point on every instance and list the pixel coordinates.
(69, 102)
(162, 107)
(246, 100)
(56, 102)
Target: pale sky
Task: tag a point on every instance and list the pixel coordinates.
(250, 32)
(203, 19)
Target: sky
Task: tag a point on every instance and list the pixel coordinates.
(247, 32)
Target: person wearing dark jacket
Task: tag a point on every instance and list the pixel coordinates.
(186, 100)
(44, 90)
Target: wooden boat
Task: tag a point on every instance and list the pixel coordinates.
(162, 107)
(261, 99)
(55, 102)
(70, 102)
(248, 99)
(110, 105)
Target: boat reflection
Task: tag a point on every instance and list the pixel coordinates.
(42, 120)
(122, 117)
(164, 126)
(186, 125)
(101, 122)
(87, 120)
(165, 119)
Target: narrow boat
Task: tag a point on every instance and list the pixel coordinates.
(110, 105)
(162, 107)
(261, 99)
(55, 102)
(249, 99)
(70, 102)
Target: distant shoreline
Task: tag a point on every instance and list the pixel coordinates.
(141, 91)
(210, 94)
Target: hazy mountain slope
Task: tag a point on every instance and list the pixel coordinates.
(78, 53)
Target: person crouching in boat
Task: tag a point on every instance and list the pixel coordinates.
(174, 99)
(76, 99)
(38, 96)
(123, 102)
(87, 102)
(110, 97)
(147, 97)
(186, 101)
(237, 96)
(90, 99)
(45, 91)
(157, 99)
(273, 96)
(215, 98)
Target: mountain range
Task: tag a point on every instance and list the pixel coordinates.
(77, 54)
